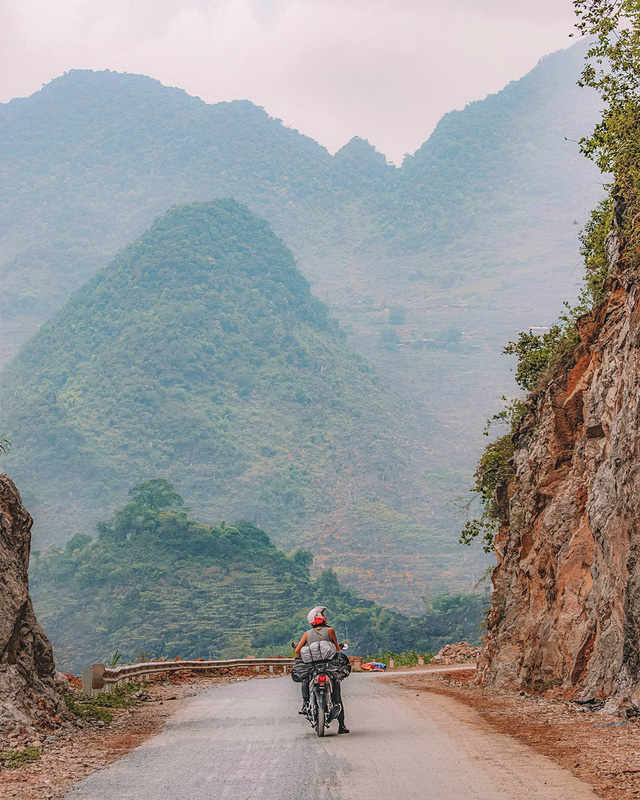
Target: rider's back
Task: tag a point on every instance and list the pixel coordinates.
(318, 635)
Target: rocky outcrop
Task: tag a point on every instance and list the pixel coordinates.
(27, 672)
(565, 612)
(456, 653)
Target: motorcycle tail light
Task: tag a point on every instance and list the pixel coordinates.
(322, 680)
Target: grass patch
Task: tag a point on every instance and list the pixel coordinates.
(99, 707)
(12, 759)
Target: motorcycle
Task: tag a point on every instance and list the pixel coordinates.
(322, 710)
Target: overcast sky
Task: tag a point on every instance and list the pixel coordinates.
(385, 70)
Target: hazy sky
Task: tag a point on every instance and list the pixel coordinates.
(385, 70)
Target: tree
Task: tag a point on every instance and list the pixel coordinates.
(156, 495)
(613, 70)
(304, 559)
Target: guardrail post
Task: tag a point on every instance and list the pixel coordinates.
(392, 663)
(87, 679)
(93, 679)
(420, 661)
(284, 669)
(357, 664)
(257, 668)
(271, 668)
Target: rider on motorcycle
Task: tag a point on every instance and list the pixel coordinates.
(320, 631)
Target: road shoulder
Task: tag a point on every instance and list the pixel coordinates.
(600, 749)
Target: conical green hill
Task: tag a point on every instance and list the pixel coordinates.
(200, 355)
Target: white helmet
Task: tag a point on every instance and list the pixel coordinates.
(316, 614)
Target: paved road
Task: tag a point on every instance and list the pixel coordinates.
(244, 741)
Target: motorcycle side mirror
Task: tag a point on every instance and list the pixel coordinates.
(344, 646)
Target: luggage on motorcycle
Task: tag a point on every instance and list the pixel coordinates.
(317, 651)
(339, 667)
(300, 671)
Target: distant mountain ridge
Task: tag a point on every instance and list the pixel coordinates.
(92, 158)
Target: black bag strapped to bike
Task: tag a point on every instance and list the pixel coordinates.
(300, 671)
(339, 667)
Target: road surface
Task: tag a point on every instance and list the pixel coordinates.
(245, 741)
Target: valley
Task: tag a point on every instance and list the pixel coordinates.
(430, 269)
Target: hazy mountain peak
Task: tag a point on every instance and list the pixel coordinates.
(97, 86)
(358, 158)
(359, 147)
(531, 100)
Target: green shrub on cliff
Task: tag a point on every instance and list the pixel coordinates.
(539, 355)
(493, 472)
(594, 252)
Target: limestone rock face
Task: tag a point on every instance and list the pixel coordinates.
(27, 671)
(565, 610)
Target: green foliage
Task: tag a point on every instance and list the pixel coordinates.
(513, 412)
(156, 580)
(539, 355)
(593, 251)
(156, 495)
(12, 759)
(494, 471)
(116, 656)
(397, 315)
(613, 70)
(389, 338)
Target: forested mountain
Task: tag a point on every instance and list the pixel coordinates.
(91, 159)
(156, 581)
(430, 267)
(200, 354)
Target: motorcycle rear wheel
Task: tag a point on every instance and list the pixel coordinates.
(320, 721)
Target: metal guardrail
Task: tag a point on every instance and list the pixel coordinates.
(98, 678)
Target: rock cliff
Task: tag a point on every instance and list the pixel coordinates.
(27, 671)
(565, 610)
